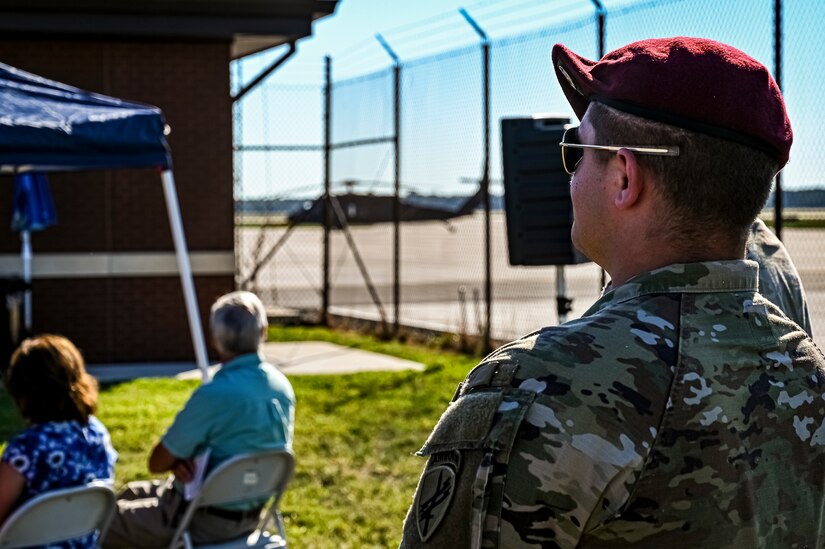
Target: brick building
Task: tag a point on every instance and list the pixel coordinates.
(106, 275)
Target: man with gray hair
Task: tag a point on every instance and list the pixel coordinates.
(248, 406)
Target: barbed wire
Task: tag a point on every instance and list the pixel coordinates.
(641, 6)
(401, 35)
(509, 10)
(366, 54)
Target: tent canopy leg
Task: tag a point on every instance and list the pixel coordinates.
(185, 269)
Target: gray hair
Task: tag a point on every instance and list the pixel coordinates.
(238, 322)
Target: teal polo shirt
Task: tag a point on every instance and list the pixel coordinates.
(248, 406)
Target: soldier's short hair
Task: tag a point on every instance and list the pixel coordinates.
(714, 186)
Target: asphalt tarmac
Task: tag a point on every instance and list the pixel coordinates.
(442, 273)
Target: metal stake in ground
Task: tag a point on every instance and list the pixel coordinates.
(563, 304)
(342, 220)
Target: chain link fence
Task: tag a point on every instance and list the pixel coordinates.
(278, 164)
(440, 282)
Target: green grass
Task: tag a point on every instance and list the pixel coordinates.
(10, 422)
(795, 223)
(354, 438)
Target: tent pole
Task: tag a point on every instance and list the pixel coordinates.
(173, 209)
(26, 256)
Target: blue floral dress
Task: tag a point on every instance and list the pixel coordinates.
(63, 454)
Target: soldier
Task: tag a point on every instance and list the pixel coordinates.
(778, 278)
(683, 409)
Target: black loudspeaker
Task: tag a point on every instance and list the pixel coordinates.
(537, 192)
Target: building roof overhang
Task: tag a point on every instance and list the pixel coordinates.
(250, 25)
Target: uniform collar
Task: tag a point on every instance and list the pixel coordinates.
(706, 277)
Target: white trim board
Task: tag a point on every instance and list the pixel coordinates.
(118, 264)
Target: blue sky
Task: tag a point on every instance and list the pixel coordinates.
(441, 120)
(413, 28)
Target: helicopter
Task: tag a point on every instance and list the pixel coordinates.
(369, 208)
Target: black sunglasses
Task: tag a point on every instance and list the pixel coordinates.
(572, 150)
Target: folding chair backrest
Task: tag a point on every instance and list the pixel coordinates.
(247, 477)
(59, 515)
(253, 476)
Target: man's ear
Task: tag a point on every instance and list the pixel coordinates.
(633, 181)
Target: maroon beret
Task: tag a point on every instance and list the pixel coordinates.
(693, 83)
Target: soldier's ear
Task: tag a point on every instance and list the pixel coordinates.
(631, 181)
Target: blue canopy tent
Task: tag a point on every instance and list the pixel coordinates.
(46, 126)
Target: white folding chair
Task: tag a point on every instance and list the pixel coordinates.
(60, 515)
(253, 476)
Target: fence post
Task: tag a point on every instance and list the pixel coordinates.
(237, 175)
(396, 204)
(396, 211)
(601, 21)
(485, 184)
(777, 73)
(325, 205)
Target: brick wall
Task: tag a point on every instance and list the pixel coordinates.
(124, 319)
(131, 319)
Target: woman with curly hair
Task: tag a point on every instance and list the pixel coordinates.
(63, 445)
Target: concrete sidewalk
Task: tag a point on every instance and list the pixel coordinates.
(292, 358)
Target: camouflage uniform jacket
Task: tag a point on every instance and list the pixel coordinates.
(682, 410)
(778, 278)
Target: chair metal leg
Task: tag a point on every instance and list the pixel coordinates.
(279, 522)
